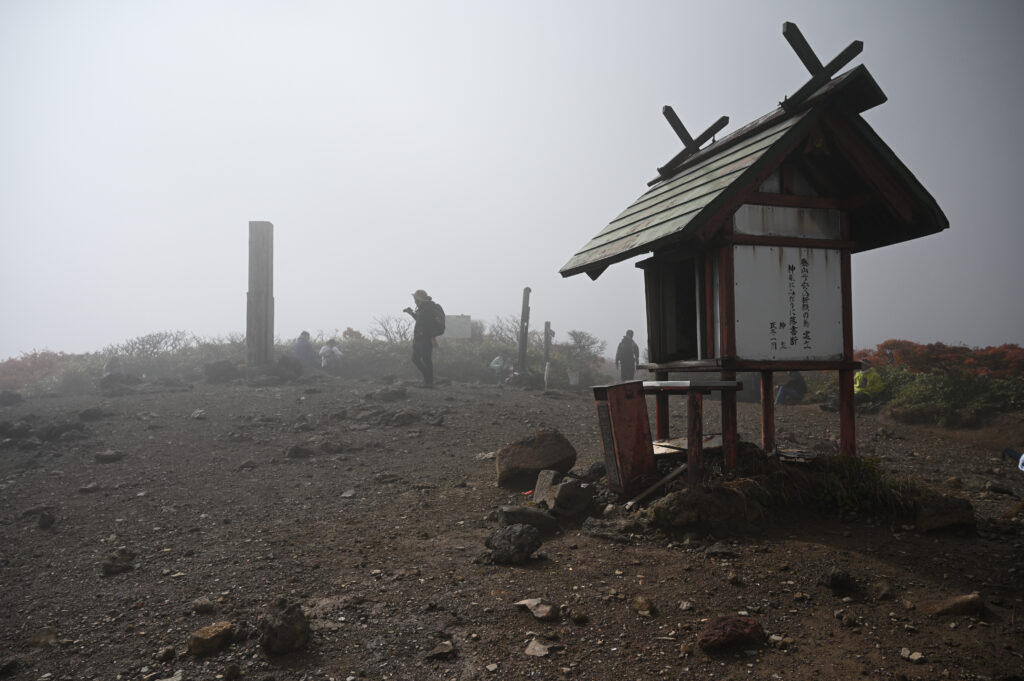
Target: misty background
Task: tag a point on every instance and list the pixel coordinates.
(466, 148)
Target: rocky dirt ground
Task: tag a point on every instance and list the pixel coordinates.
(374, 524)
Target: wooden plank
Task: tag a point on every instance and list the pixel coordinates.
(799, 44)
(631, 430)
(793, 200)
(767, 412)
(794, 241)
(666, 171)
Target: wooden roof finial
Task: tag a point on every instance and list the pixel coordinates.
(690, 145)
(819, 74)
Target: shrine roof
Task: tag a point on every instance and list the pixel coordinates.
(694, 195)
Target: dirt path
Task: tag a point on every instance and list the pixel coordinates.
(376, 533)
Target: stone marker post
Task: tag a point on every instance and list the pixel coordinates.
(524, 331)
(259, 325)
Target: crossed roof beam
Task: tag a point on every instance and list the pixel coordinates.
(820, 74)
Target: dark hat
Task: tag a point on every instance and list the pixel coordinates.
(420, 294)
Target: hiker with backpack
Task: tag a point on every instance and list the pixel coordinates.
(430, 320)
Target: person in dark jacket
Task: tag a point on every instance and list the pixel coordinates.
(305, 352)
(627, 356)
(423, 334)
(793, 390)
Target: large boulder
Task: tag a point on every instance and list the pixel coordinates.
(519, 463)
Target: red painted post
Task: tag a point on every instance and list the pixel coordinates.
(694, 438)
(730, 438)
(767, 412)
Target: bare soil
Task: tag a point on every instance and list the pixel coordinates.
(376, 535)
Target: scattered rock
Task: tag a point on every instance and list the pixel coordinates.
(620, 530)
(514, 544)
(545, 523)
(518, 464)
(882, 591)
(568, 498)
(720, 550)
(108, 456)
(89, 488)
(643, 606)
(996, 488)
(968, 605)
(284, 628)
(728, 632)
(839, 582)
(536, 648)
(937, 512)
(203, 606)
(118, 561)
(540, 608)
(442, 651)
(165, 654)
(209, 639)
(299, 452)
(178, 675)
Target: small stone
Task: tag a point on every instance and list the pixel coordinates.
(108, 456)
(209, 639)
(492, 667)
(540, 608)
(442, 651)
(537, 649)
(165, 654)
(643, 606)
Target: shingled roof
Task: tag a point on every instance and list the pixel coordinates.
(855, 168)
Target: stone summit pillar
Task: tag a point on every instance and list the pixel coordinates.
(259, 325)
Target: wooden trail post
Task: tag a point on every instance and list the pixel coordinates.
(524, 330)
(259, 325)
(548, 333)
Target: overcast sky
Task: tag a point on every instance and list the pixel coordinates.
(466, 148)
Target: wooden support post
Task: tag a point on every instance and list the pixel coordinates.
(730, 438)
(847, 414)
(524, 331)
(259, 323)
(661, 409)
(548, 333)
(767, 413)
(694, 437)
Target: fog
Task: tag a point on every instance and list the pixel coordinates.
(465, 148)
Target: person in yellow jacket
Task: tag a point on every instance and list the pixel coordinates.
(867, 384)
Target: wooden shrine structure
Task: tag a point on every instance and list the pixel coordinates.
(751, 238)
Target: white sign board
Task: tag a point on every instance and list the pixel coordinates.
(458, 326)
(789, 303)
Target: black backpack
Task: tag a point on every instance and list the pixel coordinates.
(438, 319)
